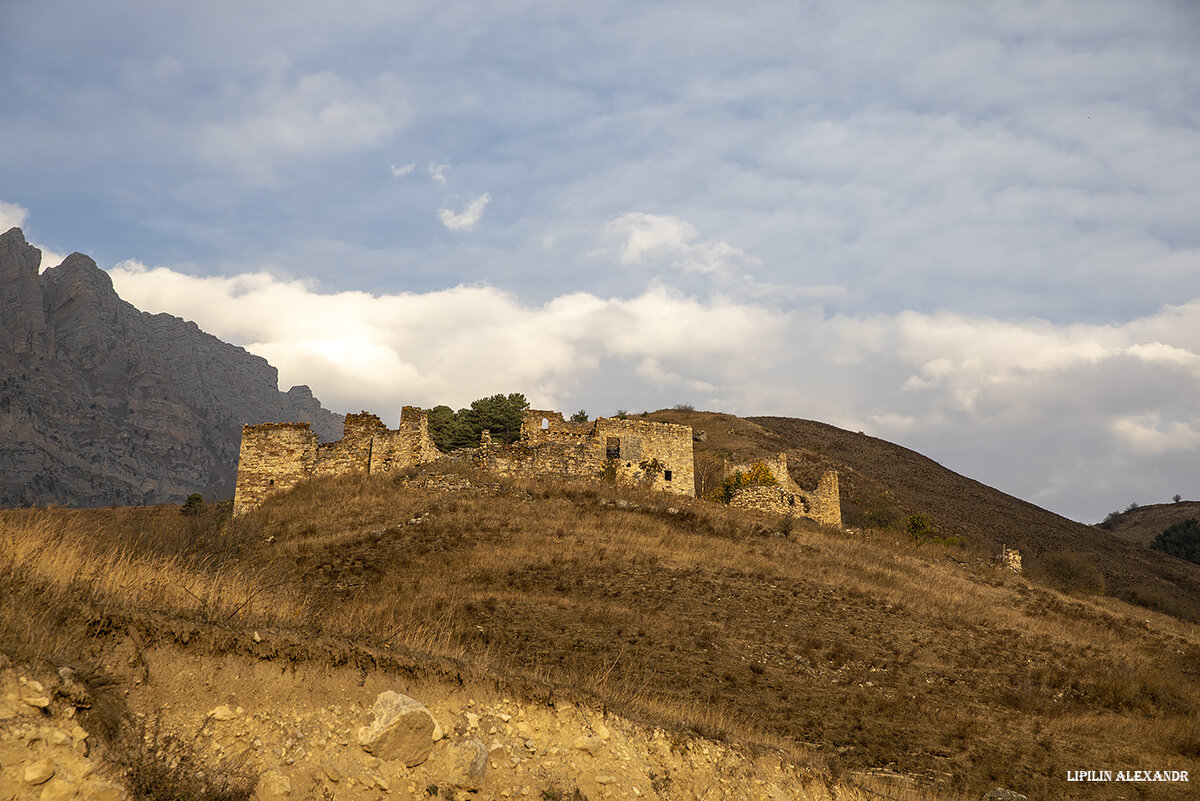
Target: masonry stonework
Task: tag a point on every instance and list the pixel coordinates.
(822, 504)
(656, 455)
(274, 457)
(277, 456)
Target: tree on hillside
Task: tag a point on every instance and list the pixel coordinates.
(1180, 539)
(499, 414)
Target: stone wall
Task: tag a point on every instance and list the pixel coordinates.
(627, 449)
(410, 444)
(769, 499)
(822, 504)
(351, 453)
(273, 457)
(277, 456)
(825, 501)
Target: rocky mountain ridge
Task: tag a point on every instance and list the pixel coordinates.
(101, 403)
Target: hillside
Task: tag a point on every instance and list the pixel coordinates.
(650, 650)
(101, 403)
(881, 481)
(1141, 524)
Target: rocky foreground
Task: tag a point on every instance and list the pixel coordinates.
(309, 733)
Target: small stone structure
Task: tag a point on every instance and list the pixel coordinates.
(822, 504)
(658, 455)
(277, 456)
(1010, 559)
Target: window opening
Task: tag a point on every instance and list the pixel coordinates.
(667, 475)
(612, 448)
(545, 424)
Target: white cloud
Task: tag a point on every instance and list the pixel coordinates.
(12, 215)
(315, 116)
(1061, 413)
(658, 237)
(437, 172)
(471, 215)
(358, 350)
(400, 172)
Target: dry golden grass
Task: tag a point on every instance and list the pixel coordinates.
(856, 655)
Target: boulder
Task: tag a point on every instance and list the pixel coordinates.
(402, 729)
(39, 772)
(466, 764)
(1003, 794)
(272, 786)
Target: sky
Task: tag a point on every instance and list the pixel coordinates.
(969, 228)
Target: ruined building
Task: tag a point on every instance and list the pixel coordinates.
(823, 504)
(278, 456)
(657, 455)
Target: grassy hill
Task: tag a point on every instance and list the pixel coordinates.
(1141, 524)
(866, 659)
(883, 482)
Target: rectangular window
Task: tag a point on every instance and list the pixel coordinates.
(612, 448)
(667, 475)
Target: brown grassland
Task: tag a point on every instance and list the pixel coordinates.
(848, 652)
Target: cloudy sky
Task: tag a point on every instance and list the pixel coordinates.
(969, 228)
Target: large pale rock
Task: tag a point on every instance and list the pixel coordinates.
(58, 790)
(100, 790)
(402, 729)
(39, 772)
(467, 765)
(272, 786)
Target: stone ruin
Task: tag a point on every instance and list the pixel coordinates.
(277, 456)
(656, 455)
(822, 504)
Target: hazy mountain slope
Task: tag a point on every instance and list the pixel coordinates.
(1141, 524)
(101, 403)
(962, 506)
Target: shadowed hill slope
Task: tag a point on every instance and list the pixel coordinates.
(881, 482)
(962, 506)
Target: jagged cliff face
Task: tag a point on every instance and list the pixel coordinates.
(101, 403)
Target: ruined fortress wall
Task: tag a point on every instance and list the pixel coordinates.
(547, 459)
(769, 499)
(273, 457)
(407, 446)
(825, 501)
(640, 440)
(556, 430)
(777, 467)
(351, 453)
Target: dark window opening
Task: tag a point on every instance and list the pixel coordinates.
(271, 482)
(667, 475)
(612, 448)
(791, 500)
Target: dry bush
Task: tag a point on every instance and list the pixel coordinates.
(160, 765)
(1072, 573)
